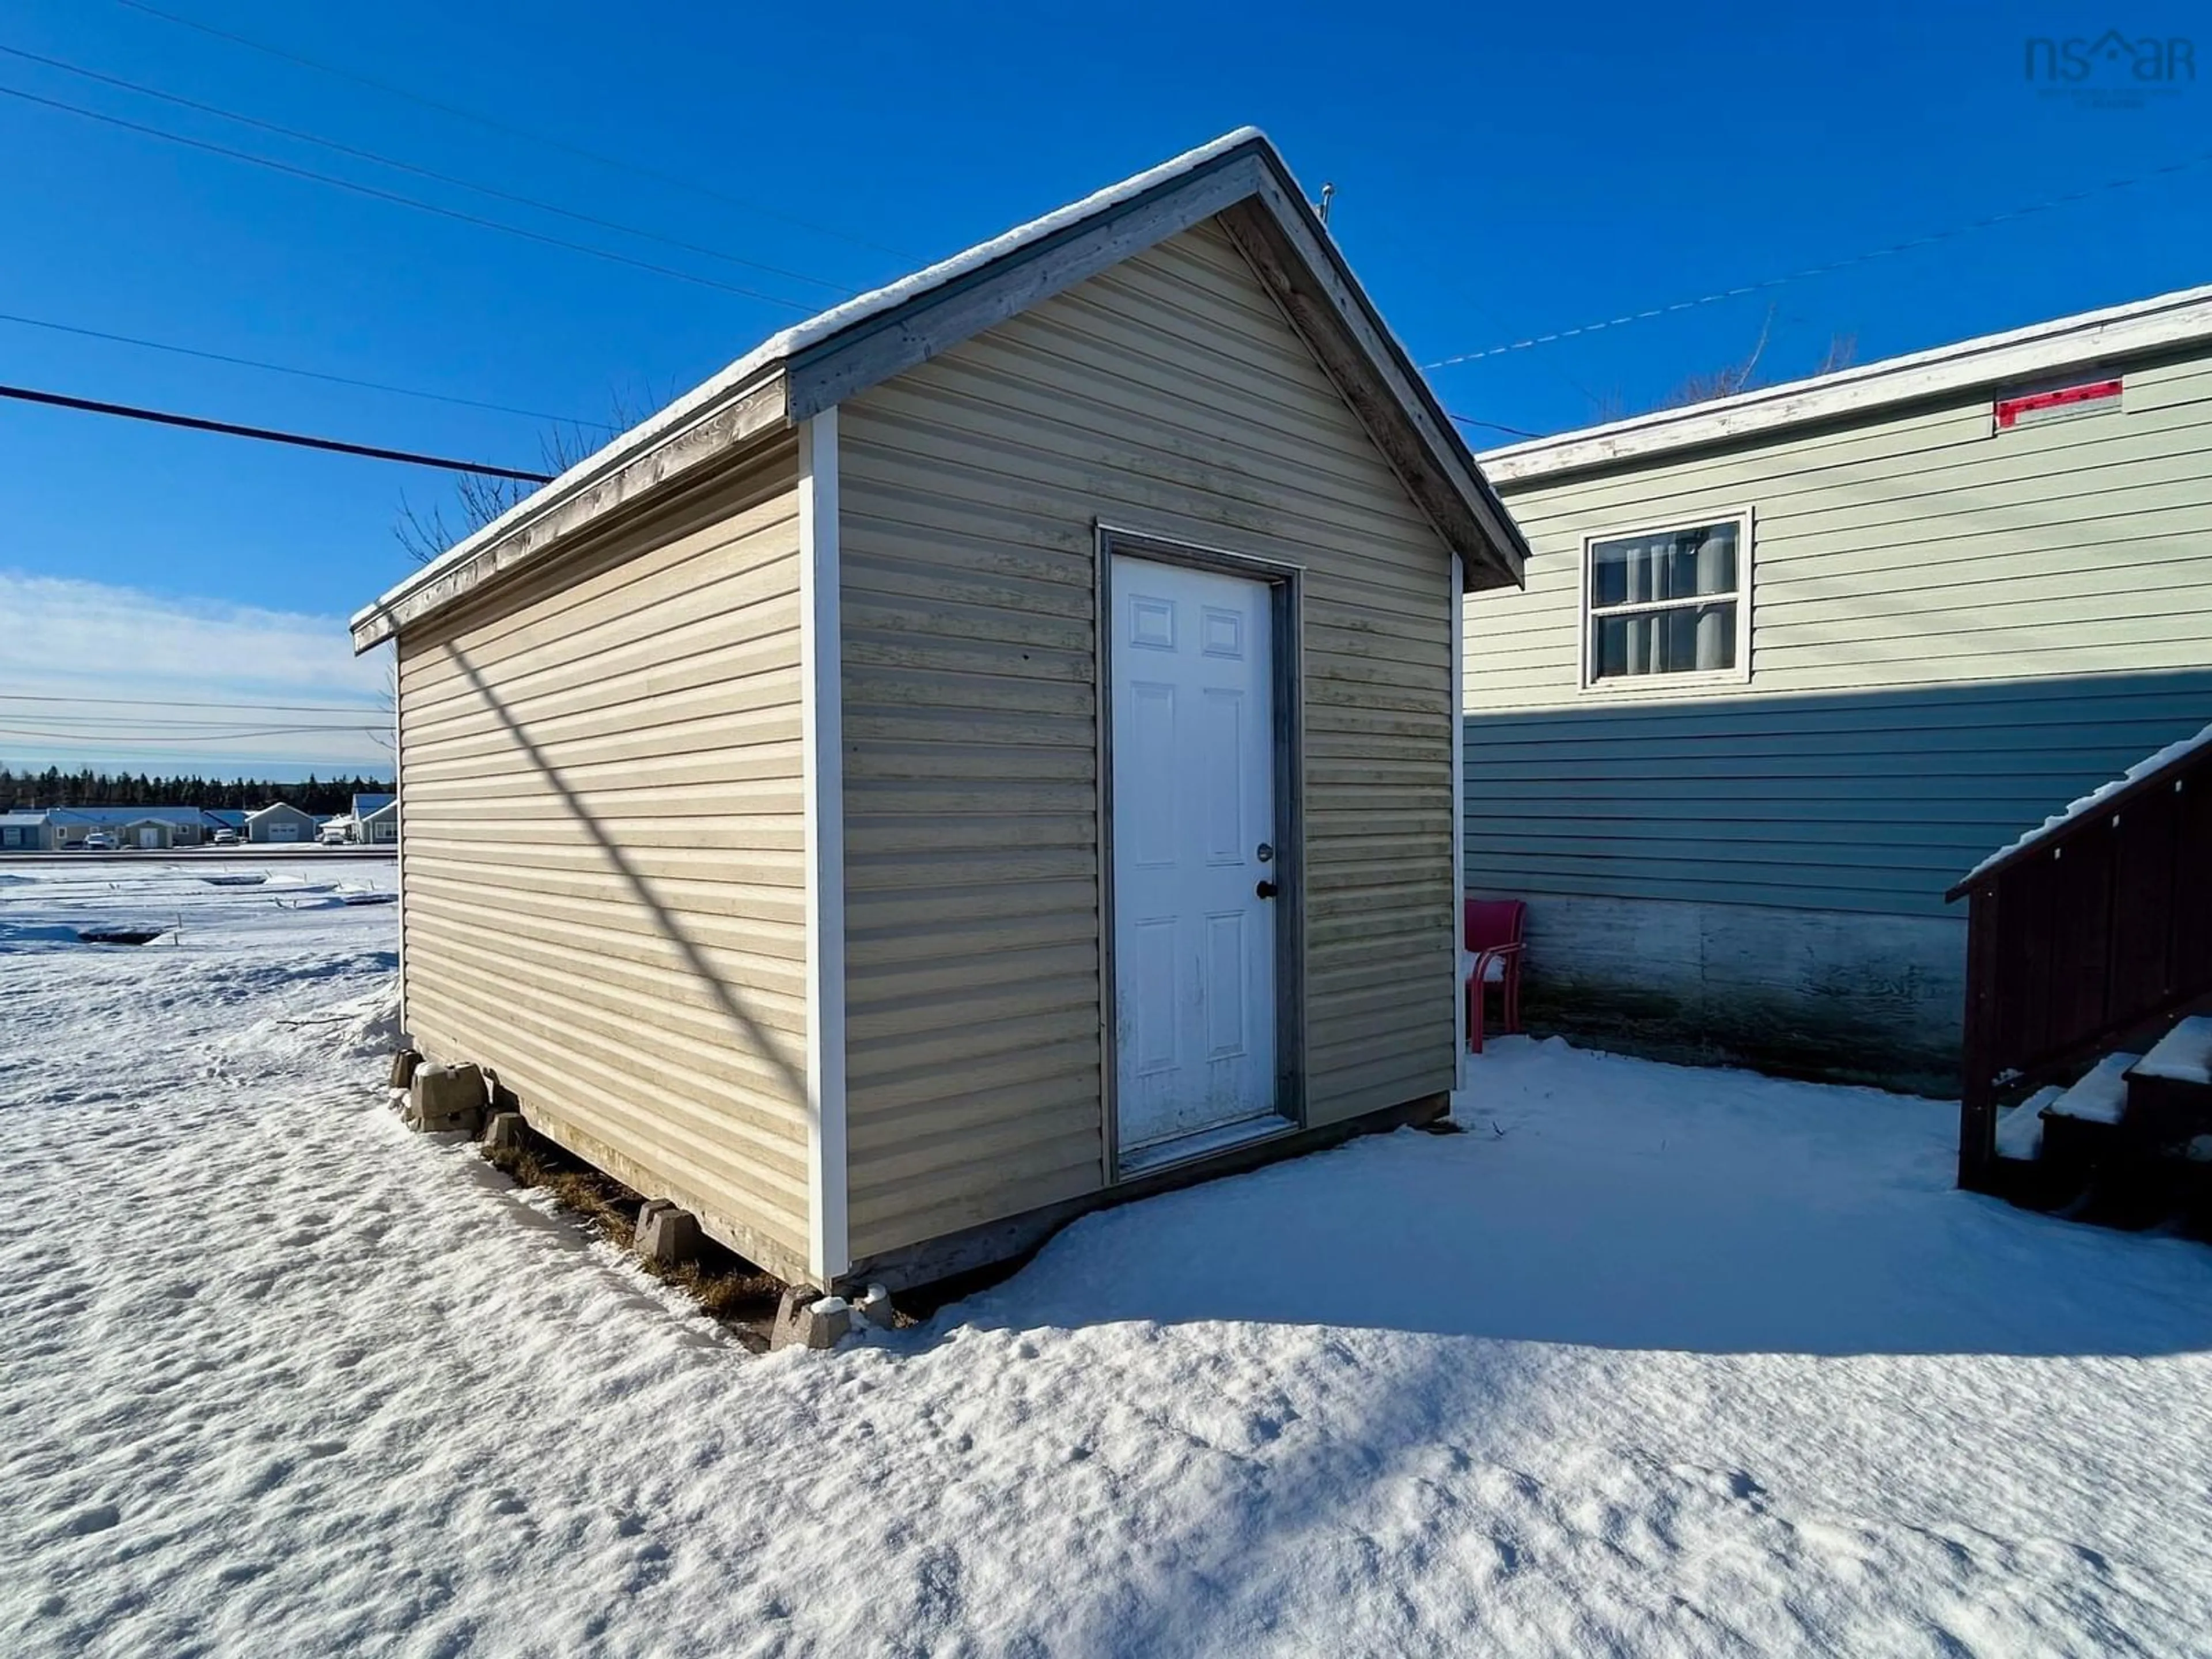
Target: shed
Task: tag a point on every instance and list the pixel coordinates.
(26, 832)
(279, 823)
(989, 750)
(149, 834)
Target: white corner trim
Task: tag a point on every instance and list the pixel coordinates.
(1459, 820)
(821, 727)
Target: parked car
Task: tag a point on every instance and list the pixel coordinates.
(330, 835)
(99, 842)
(224, 838)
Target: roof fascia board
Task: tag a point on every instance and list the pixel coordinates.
(872, 351)
(1324, 302)
(1292, 254)
(733, 423)
(2023, 354)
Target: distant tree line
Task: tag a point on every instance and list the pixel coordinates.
(29, 791)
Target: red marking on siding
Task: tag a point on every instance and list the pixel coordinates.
(2010, 410)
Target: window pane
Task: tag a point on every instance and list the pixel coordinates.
(1676, 564)
(1687, 639)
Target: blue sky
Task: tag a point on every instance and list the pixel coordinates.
(1501, 172)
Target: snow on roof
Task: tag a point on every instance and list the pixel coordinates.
(2039, 349)
(274, 806)
(2089, 803)
(788, 342)
(375, 801)
(22, 820)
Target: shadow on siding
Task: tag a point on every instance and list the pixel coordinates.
(761, 1039)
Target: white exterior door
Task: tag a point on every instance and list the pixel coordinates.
(150, 838)
(1194, 774)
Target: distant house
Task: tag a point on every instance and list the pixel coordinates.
(149, 828)
(380, 828)
(1788, 663)
(156, 835)
(280, 823)
(158, 829)
(371, 802)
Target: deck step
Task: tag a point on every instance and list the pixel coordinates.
(2182, 1055)
(2101, 1096)
(2169, 1112)
(2019, 1131)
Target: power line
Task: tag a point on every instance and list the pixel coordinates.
(130, 723)
(303, 374)
(371, 155)
(90, 741)
(1491, 426)
(172, 703)
(511, 132)
(268, 435)
(394, 197)
(1893, 248)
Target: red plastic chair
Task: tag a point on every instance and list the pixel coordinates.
(1492, 935)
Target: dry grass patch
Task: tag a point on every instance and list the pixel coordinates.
(731, 1289)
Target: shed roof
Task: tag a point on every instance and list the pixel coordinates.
(2059, 347)
(813, 367)
(2104, 795)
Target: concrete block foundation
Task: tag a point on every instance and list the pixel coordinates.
(448, 1098)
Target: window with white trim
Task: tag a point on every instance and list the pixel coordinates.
(1668, 603)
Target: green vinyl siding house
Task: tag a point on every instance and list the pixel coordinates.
(1787, 664)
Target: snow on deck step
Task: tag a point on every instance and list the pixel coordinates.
(2182, 1055)
(2101, 1095)
(2019, 1131)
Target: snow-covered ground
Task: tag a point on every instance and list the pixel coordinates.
(1651, 1361)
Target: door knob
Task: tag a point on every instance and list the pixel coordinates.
(1265, 890)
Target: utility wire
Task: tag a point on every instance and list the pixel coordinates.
(371, 155)
(133, 723)
(124, 746)
(1892, 249)
(511, 132)
(420, 206)
(1491, 426)
(268, 435)
(303, 374)
(172, 703)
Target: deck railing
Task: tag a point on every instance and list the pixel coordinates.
(2082, 935)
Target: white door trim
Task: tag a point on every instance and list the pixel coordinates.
(1285, 582)
(821, 727)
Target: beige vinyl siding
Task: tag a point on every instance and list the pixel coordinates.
(1169, 396)
(603, 849)
(1953, 632)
